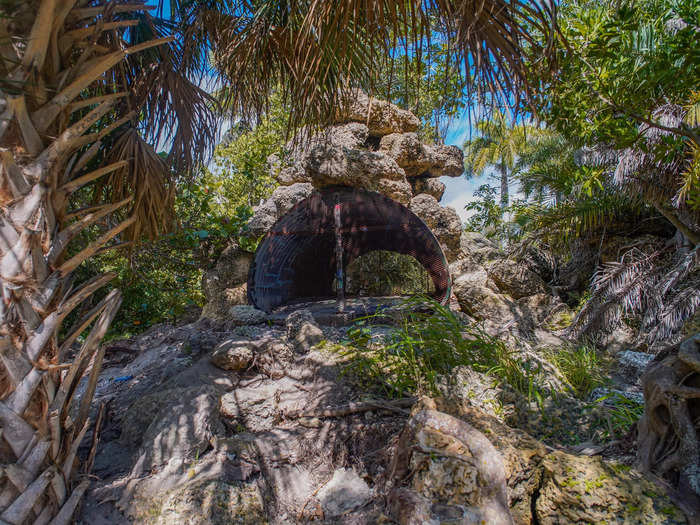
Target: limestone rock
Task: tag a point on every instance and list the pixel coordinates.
(428, 185)
(495, 311)
(632, 364)
(380, 116)
(374, 171)
(224, 285)
(408, 152)
(244, 315)
(583, 489)
(466, 387)
(283, 199)
(234, 355)
(445, 161)
(293, 168)
(182, 428)
(443, 221)
(480, 248)
(345, 491)
(561, 488)
(467, 264)
(453, 465)
(302, 331)
(515, 279)
(545, 309)
(208, 502)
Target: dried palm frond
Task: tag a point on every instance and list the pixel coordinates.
(662, 288)
(147, 178)
(175, 112)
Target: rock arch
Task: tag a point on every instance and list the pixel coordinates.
(296, 259)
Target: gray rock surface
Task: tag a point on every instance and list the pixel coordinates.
(480, 248)
(515, 279)
(418, 159)
(245, 315)
(380, 116)
(430, 186)
(302, 331)
(283, 199)
(345, 491)
(632, 364)
(443, 221)
(234, 354)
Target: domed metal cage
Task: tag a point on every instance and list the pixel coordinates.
(298, 258)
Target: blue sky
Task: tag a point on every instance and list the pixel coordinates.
(459, 190)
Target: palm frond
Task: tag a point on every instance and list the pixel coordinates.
(319, 50)
(661, 288)
(147, 177)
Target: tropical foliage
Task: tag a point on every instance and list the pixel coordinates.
(90, 91)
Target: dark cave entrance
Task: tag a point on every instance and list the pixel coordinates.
(296, 260)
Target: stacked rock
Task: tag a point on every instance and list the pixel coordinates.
(372, 145)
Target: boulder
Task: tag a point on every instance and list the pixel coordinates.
(443, 221)
(545, 309)
(283, 199)
(293, 167)
(480, 248)
(445, 161)
(496, 312)
(224, 285)
(583, 489)
(454, 466)
(234, 354)
(466, 387)
(517, 280)
(302, 331)
(244, 315)
(427, 185)
(408, 152)
(467, 264)
(346, 491)
(632, 364)
(381, 117)
(559, 488)
(374, 171)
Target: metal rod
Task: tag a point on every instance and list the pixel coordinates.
(339, 277)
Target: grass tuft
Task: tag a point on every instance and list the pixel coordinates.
(582, 366)
(430, 342)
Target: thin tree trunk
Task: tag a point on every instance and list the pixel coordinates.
(504, 186)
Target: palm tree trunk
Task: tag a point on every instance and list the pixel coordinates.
(504, 186)
(47, 140)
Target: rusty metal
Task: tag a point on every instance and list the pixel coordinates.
(297, 259)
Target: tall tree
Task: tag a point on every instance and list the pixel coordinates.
(87, 88)
(498, 143)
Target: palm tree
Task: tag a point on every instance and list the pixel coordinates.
(87, 88)
(498, 144)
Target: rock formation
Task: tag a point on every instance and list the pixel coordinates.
(372, 145)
